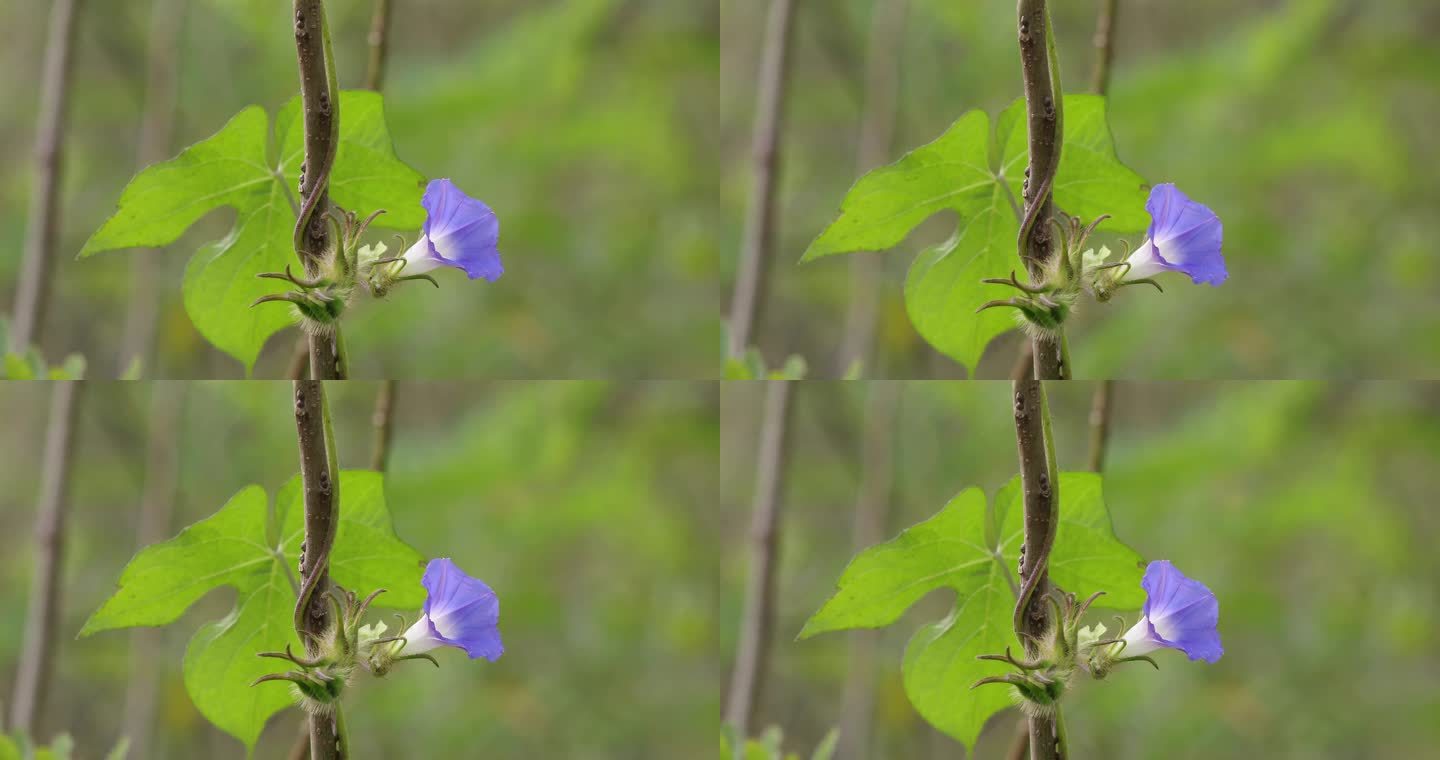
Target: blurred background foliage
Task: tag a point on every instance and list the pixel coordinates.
(1302, 123)
(589, 125)
(1306, 507)
(586, 505)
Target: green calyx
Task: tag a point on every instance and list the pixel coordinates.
(320, 678)
(1065, 648)
(320, 300)
(1045, 305)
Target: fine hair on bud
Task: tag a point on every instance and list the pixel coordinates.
(1030, 708)
(309, 704)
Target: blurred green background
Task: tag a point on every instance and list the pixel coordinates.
(1304, 124)
(586, 505)
(1306, 507)
(589, 125)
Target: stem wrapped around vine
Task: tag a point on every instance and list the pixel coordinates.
(320, 99)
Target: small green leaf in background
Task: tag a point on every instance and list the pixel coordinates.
(27, 363)
(951, 550)
(9, 750)
(234, 168)
(59, 749)
(232, 548)
(980, 179)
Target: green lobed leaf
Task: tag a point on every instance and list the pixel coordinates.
(943, 289)
(1087, 557)
(953, 172)
(940, 666)
(883, 581)
(228, 168)
(951, 550)
(221, 662)
(367, 554)
(227, 548)
(233, 168)
(1091, 180)
(965, 171)
(946, 551)
(367, 174)
(232, 548)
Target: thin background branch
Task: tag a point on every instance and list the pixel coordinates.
(157, 504)
(32, 677)
(758, 236)
(877, 130)
(157, 126)
(37, 654)
(1104, 46)
(757, 618)
(42, 228)
(383, 422)
(877, 485)
(1100, 423)
(379, 42)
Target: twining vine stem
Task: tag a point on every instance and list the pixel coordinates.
(1040, 71)
(1039, 478)
(759, 231)
(43, 224)
(320, 476)
(757, 617)
(320, 99)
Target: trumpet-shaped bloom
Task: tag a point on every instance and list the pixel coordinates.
(1180, 613)
(1185, 237)
(459, 232)
(460, 611)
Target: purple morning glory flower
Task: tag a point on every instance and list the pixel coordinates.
(459, 232)
(460, 612)
(1184, 237)
(1180, 613)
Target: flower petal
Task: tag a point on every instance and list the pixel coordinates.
(462, 611)
(1186, 236)
(461, 231)
(1182, 613)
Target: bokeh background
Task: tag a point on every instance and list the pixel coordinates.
(1302, 123)
(1306, 507)
(588, 506)
(589, 125)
